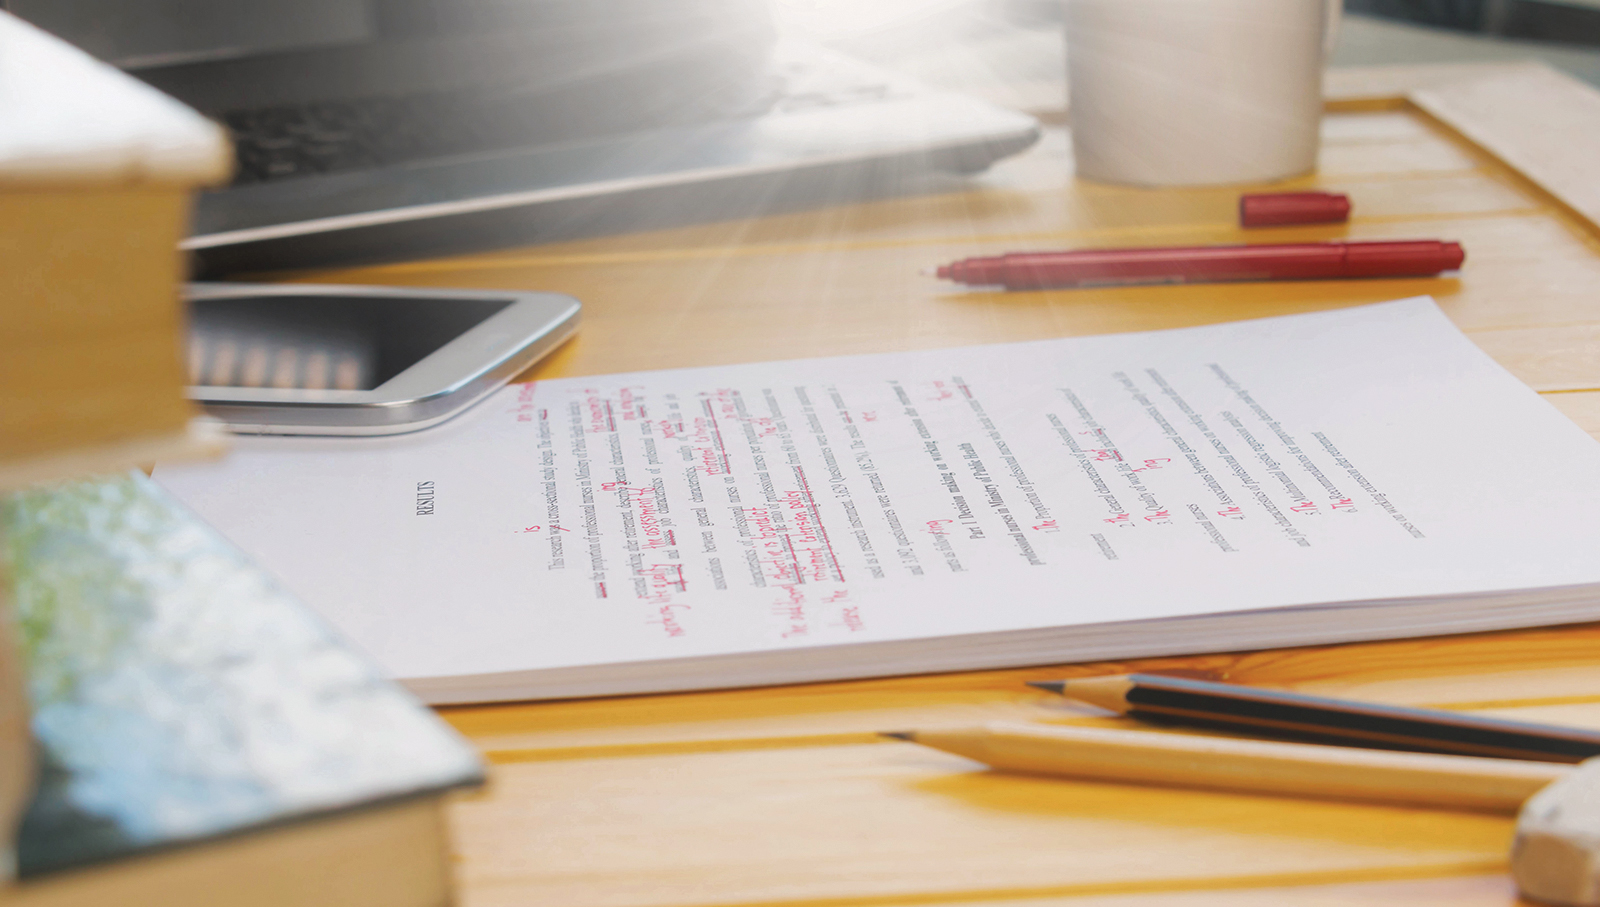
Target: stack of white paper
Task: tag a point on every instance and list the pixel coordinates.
(1345, 475)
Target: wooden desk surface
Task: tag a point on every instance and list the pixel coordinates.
(783, 796)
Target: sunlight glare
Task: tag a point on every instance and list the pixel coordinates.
(825, 19)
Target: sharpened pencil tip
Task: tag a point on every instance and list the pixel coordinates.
(1054, 686)
(899, 735)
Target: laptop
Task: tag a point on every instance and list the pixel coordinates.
(370, 130)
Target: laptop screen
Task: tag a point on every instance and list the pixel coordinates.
(135, 34)
(225, 55)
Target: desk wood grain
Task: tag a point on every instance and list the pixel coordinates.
(783, 797)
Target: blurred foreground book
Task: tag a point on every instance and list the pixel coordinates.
(96, 175)
(202, 738)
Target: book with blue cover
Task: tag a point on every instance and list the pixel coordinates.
(180, 696)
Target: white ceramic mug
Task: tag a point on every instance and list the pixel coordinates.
(1195, 92)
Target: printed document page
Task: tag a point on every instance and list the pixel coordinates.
(1361, 454)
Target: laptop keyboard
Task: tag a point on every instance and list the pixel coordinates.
(326, 137)
(284, 142)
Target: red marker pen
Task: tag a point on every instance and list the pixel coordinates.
(1207, 264)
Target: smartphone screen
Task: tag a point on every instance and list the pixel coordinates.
(322, 342)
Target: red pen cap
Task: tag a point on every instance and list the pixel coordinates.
(1276, 209)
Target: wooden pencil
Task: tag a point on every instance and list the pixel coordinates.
(1325, 720)
(1270, 767)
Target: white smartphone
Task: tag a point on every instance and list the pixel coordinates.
(305, 359)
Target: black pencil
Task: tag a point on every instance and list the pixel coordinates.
(1242, 708)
